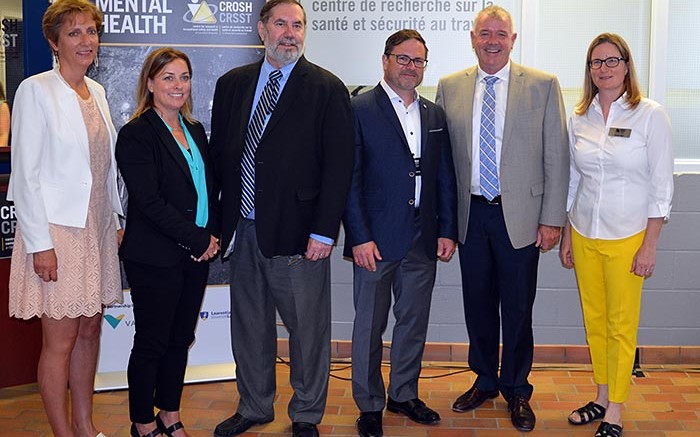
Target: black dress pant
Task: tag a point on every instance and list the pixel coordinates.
(498, 287)
(166, 306)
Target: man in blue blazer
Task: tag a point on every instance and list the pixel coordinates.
(400, 217)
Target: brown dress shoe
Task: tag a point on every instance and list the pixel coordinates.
(472, 399)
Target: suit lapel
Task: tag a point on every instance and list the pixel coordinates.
(515, 88)
(424, 117)
(247, 98)
(69, 105)
(389, 112)
(470, 87)
(169, 142)
(296, 82)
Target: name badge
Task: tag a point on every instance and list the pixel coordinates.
(620, 132)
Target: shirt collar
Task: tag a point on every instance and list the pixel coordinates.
(503, 74)
(621, 102)
(395, 97)
(267, 68)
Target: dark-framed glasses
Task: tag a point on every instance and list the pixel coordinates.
(405, 60)
(610, 62)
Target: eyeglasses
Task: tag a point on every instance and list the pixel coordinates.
(611, 62)
(405, 60)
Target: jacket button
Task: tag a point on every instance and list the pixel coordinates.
(411, 174)
(411, 202)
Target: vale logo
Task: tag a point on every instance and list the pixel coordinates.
(113, 321)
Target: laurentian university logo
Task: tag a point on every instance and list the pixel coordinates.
(204, 315)
(114, 321)
(200, 12)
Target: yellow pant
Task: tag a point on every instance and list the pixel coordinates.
(611, 299)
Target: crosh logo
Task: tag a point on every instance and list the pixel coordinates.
(200, 13)
(113, 321)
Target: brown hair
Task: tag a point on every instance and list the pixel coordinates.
(152, 66)
(266, 10)
(60, 10)
(402, 36)
(631, 83)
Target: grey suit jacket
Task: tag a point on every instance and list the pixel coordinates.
(534, 167)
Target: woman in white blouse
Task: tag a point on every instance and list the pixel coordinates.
(619, 195)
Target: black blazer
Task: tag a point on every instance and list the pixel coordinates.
(304, 158)
(380, 206)
(160, 223)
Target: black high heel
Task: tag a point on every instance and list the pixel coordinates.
(135, 432)
(169, 430)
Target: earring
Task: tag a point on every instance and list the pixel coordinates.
(56, 62)
(96, 62)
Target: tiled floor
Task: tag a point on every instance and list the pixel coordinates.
(664, 403)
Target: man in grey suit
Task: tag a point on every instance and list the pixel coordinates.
(509, 144)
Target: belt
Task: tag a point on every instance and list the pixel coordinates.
(481, 199)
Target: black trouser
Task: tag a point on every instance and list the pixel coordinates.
(166, 306)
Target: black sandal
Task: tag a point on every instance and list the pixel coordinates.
(609, 430)
(169, 430)
(588, 413)
(135, 432)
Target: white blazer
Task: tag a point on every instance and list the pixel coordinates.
(51, 180)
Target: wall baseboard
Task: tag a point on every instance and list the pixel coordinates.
(549, 354)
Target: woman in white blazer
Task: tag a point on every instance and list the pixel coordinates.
(64, 185)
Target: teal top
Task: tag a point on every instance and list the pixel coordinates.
(199, 177)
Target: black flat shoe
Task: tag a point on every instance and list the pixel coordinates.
(415, 409)
(521, 414)
(369, 424)
(606, 429)
(588, 413)
(135, 432)
(472, 398)
(168, 431)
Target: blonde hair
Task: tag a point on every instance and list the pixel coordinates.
(631, 83)
(60, 10)
(152, 66)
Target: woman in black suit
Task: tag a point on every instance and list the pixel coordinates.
(169, 237)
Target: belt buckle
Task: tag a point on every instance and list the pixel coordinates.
(495, 201)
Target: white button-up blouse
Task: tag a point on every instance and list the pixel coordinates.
(621, 171)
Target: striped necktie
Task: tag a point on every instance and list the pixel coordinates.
(487, 142)
(265, 106)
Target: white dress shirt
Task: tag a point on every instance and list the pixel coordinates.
(501, 89)
(618, 182)
(409, 117)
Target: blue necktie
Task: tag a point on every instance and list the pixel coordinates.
(487, 142)
(267, 102)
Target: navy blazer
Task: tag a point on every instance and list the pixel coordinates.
(380, 205)
(160, 222)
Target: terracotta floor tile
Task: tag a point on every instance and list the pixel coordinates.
(665, 403)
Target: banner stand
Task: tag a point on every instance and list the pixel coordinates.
(107, 381)
(210, 357)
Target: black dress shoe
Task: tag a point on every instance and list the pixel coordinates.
(304, 429)
(415, 409)
(369, 424)
(235, 425)
(472, 398)
(521, 414)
